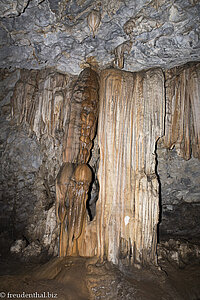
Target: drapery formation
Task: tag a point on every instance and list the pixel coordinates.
(183, 110)
(137, 110)
(131, 120)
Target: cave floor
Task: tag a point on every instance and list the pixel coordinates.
(75, 278)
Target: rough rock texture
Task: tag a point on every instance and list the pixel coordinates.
(37, 34)
(13, 8)
(34, 119)
(179, 253)
(180, 195)
(105, 281)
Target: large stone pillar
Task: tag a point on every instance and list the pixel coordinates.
(131, 120)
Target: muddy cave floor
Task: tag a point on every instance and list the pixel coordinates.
(76, 278)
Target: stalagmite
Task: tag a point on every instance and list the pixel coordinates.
(76, 198)
(62, 183)
(131, 120)
(72, 191)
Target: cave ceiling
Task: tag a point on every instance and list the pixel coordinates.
(50, 33)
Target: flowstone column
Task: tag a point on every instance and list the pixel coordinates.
(131, 120)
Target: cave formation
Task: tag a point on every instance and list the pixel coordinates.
(100, 105)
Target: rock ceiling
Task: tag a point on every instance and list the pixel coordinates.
(35, 34)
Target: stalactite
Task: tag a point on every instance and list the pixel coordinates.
(131, 120)
(183, 110)
(93, 21)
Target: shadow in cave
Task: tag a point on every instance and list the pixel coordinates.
(93, 195)
(159, 192)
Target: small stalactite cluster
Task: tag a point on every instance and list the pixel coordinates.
(41, 100)
(119, 52)
(182, 125)
(75, 176)
(41, 106)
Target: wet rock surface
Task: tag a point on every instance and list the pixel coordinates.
(179, 253)
(179, 259)
(37, 34)
(80, 278)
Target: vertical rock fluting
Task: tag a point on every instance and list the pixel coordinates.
(183, 110)
(131, 120)
(72, 191)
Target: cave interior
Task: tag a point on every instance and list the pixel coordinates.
(100, 149)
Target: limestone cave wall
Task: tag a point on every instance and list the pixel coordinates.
(179, 203)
